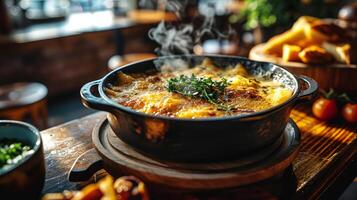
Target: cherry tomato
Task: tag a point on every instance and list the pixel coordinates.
(349, 112)
(325, 109)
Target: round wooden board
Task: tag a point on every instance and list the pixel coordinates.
(341, 77)
(121, 160)
(120, 146)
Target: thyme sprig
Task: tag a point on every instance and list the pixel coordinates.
(200, 87)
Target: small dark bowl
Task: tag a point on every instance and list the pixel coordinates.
(25, 179)
(202, 139)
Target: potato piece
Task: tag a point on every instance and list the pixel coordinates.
(209, 64)
(340, 52)
(90, 192)
(306, 43)
(239, 81)
(315, 35)
(275, 44)
(278, 95)
(128, 187)
(327, 31)
(321, 31)
(241, 70)
(56, 196)
(301, 31)
(291, 52)
(106, 187)
(305, 32)
(315, 55)
(304, 21)
(124, 78)
(153, 101)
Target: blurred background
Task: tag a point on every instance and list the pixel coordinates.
(63, 44)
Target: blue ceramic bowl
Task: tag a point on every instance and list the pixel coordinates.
(26, 177)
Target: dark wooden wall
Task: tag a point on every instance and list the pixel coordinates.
(64, 64)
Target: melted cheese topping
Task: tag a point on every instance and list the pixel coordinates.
(147, 92)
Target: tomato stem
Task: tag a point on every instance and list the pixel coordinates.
(331, 94)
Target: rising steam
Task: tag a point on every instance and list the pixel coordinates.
(172, 39)
(181, 39)
(209, 26)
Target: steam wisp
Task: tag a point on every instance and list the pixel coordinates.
(182, 38)
(172, 39)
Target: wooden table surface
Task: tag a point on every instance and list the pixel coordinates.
(324, 167)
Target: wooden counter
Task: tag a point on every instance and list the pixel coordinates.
(87, 22)
(326, 163)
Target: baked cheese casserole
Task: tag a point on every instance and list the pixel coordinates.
(202, 91)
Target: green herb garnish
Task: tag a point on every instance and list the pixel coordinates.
(11, 151)
(204, 88)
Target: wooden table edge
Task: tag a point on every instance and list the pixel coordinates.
(337, 177)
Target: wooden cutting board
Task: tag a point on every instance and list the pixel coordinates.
(118, 158)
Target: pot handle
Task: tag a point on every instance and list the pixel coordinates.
(85, 166)
(311, 91)
(91, 100)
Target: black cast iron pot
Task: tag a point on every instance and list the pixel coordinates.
(197, 140)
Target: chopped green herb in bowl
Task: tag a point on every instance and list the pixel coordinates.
(11, 151)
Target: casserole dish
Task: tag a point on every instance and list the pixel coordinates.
(202, 139)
